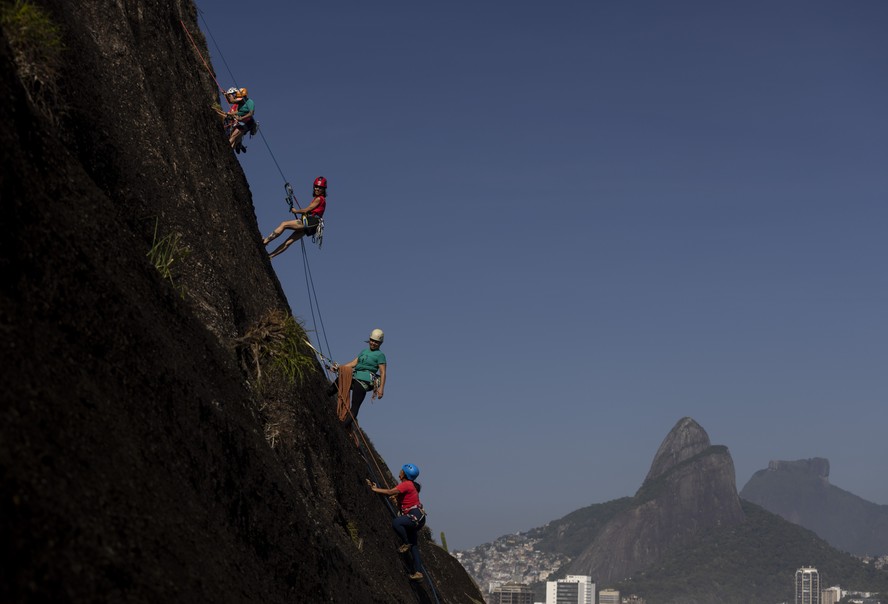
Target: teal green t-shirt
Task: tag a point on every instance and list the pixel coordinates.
(245, 107)
(368, 364)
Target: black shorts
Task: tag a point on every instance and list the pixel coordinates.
(310, 224)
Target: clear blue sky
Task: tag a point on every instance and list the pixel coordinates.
(578, 222)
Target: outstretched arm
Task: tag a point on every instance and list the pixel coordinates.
(376, 489)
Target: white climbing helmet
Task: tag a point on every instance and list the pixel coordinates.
(377, 335)
(232, 90)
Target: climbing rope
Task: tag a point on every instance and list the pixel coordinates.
(216, 44)
(313, 299)
(363, 438)
(199, 54)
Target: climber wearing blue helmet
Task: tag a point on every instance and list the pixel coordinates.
(412, 516)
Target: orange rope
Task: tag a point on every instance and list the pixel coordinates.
(201, 56)
(343, 397)
(360, 433)
(343, 410)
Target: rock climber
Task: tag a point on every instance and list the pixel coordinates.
(229, 118)
(241, 113)
(412, 516)
(308, 221)
(368, 374)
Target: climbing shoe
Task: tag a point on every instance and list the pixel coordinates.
(415, 576)
(404, 548)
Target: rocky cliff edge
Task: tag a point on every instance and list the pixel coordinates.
(138, 460)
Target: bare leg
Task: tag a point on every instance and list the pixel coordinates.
(287, 224)
(235, 136)
(296, 236)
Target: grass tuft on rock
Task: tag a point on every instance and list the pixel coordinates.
(276, 340)
(37, 48)
(165, 254)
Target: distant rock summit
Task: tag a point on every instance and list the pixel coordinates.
(800, 492)
(685, 537)
(690, 488)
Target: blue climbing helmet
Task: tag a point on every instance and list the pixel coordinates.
(410, 471)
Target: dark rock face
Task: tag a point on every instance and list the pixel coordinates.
(817, 467)
(690, 488)
(683, 442)
(800, 492)
(133, 464)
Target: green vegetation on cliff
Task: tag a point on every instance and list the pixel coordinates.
(753, 561)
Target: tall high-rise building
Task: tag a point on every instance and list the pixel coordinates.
(608, 596)
(512, 593)
(807, 586)
(573, 589)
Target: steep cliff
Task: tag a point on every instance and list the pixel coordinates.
(689, 489)
(134, 459)
(800, 492)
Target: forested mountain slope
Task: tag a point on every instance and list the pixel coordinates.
(800, 491)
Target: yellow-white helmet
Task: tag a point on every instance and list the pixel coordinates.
(377, 336)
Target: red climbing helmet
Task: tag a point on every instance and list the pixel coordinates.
(320, 181)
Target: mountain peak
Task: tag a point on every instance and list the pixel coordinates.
(800, 492)
(690, 489)
(816, 466)
(686, 439)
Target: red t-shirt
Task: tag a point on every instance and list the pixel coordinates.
(322, 205)
(408, 498)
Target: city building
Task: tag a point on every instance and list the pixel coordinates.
(831, 595)
(512, 593)
(609, 596)
(807, 586)
(573, 589)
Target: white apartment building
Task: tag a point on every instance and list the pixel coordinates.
(608, 596)
(807, 586)
(512, 593)
(573, 589)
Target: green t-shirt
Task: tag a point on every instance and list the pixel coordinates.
(368, 364)
(245, 107)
